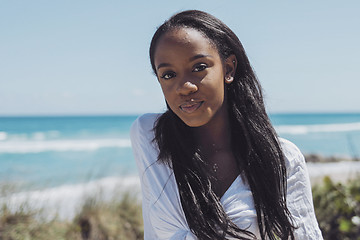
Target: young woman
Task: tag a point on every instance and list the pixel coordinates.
(212, 166)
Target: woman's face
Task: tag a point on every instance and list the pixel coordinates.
(192, 75)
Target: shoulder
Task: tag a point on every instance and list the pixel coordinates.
(143, 125)
(299, 196)
(289, 149)
(292, 154)
(141, 135)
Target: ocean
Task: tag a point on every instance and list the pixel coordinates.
(65, 155)
(43, 152)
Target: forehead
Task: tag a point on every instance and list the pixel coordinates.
(185, 40)
(184, 35)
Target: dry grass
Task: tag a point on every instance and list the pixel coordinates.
(100, 220)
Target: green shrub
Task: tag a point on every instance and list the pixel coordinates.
(337, 208)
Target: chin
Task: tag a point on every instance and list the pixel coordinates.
(194, 122)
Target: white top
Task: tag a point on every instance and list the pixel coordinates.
(162, 211)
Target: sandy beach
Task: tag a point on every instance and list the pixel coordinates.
(337, 171)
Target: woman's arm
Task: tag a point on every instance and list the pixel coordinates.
(162, 213)
(139, 147)
(299, 195)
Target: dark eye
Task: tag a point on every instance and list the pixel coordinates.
(168, 75)
(200, 67)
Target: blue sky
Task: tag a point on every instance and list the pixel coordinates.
(91, 57)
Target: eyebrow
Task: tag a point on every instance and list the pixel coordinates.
(163, 65)
(199, 56)
(190, 59)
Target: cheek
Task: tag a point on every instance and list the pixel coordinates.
(217, 92)
(167, 93)
(216, 86)
(165, 90)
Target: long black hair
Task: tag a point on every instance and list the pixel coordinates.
(254, 143)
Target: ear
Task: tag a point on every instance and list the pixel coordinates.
(230, 68)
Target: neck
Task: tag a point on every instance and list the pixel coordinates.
(214, 136)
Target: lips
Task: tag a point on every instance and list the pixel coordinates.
(190, 107)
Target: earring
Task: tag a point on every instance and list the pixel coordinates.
(228, 79)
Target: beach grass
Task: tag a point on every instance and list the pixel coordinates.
(96, 220)
(25, 223)
(337, 207)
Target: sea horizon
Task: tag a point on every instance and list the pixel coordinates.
(141, 113)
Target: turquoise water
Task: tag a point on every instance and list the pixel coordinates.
(51, 151)
(314, 118)
(42, 152)
(325, 134)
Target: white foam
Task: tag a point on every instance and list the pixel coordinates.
(17, 137)
(65, 201)
(24, 146)
(39, 136)
(305, 129)
(3, 136)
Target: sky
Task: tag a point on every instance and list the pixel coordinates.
(91, 57)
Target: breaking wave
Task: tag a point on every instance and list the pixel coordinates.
(317, 128)
(24, 146)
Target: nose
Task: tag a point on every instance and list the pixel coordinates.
(186, 88)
